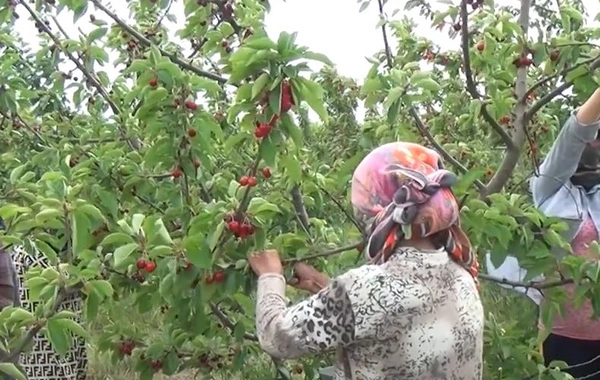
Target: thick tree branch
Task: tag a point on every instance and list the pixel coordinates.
(511, 158)
(471, 86)
(146, 42)
(299, 208)
(133, 142)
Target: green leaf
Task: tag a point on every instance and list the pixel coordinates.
(467, 180)
(318, 57)
(428, 84)
(138, 65)
(293, 168)
(117, 238)
(96, 34)
(291, 129)
(57, 335)
(136, 222)
(198, 251)
(47, 251)
(92, 304)
(162, 231)
(72, 326)
(102, 287)
(80, 227)
(260, 206)
(122, 253)
(312, 93)
(91, 211)
(260, 84)
(48, 214)
(11, 370)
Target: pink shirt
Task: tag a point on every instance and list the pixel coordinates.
(578, 323)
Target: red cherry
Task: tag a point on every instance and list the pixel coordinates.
(246, 230)
(244, 181)
(196, 163)
(219, 276)
(480, 45)
(252, 181)
(554, 55)
(287, 100)
(176, 173)
(191, 105)
(209, 279)
(150, 266)
(266, 172)
(224, 43)
(262, 130)
(153, 82)
(141, 264)
(156, 365)
(191, 132)
(233, 226)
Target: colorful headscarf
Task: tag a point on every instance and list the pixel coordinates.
(401, 191)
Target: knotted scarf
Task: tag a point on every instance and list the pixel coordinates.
(400, 191)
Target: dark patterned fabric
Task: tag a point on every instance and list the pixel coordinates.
(43, 363)
(417, 316)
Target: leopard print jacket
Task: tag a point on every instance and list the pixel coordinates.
(418, 316)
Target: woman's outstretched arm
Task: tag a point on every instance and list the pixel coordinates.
(324, 321)
(561, 162)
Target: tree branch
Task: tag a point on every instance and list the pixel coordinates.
(425, 132)
(343, 209)
(358, 245)
(62, 295)
(146, 42)
(471, 87)
(559, 74)
(511, 158)
(539, 285)
(301, 213)
(133, 142)
(224, 319)
(595, 64)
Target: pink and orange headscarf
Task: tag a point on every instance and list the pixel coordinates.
(401, 191)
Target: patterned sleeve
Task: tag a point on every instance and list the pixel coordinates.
(322, 322)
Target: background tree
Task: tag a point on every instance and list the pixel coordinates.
(148, 188)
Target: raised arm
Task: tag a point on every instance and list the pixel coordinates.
(322, 322)
(561, 162)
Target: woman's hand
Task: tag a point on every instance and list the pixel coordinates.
(265, 262)
(306, 277)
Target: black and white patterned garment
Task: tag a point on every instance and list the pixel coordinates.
(418, 316)
(43, 363)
